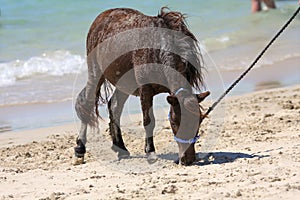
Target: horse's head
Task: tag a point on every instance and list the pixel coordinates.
(185, 117)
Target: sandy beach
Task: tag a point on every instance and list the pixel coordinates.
(249, 145)
(255, 154)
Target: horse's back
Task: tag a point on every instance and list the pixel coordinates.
(114, 21)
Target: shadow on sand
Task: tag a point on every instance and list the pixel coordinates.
(223, 157)
(213, 157)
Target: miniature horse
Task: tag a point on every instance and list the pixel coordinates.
(143, 56)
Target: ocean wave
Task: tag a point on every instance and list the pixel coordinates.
(57, 63)
(243, 62)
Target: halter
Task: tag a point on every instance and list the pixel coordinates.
(179, 90)
(179, 140)
(190, 141)
(241, 76)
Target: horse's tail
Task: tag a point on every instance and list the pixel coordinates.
(100, 99)
(85, 109)
(88, 100)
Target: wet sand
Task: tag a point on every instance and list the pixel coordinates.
(254, 153)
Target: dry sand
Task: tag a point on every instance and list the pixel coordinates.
(253, 154)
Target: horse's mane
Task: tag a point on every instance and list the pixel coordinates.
(187, 46)
(175, 21)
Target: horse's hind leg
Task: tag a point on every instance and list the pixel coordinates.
(85, 109)
(81, 141)
(85, 112)
(82, 111)
(115, 107)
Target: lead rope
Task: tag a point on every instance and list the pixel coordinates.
(211, 108)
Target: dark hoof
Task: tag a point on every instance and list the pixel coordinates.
(79, 149)
(79, 155)
(122, 152)
(78, 161)
(183, 162)
(151, 157)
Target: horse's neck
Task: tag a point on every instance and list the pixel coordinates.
(176, 81)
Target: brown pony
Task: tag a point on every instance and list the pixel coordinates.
(143, 56)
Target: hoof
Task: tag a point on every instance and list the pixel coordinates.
(78, 161)
(123, 156)
(177, 161)
(79, 149)
(151, 157)
(78, 155)
(122, 153)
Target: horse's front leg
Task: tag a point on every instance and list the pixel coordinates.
(148, 122)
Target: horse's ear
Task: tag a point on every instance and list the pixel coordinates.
(172, 100)
(202, 96)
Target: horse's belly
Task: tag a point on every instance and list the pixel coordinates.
(121, 74)
(124, 82)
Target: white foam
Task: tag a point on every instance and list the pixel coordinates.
(223, 39)
(56, 63)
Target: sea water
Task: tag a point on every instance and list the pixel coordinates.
(43, 59)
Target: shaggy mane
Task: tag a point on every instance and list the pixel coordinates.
(188, 46)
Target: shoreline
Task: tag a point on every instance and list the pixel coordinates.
(253, 154)
(16, 137)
